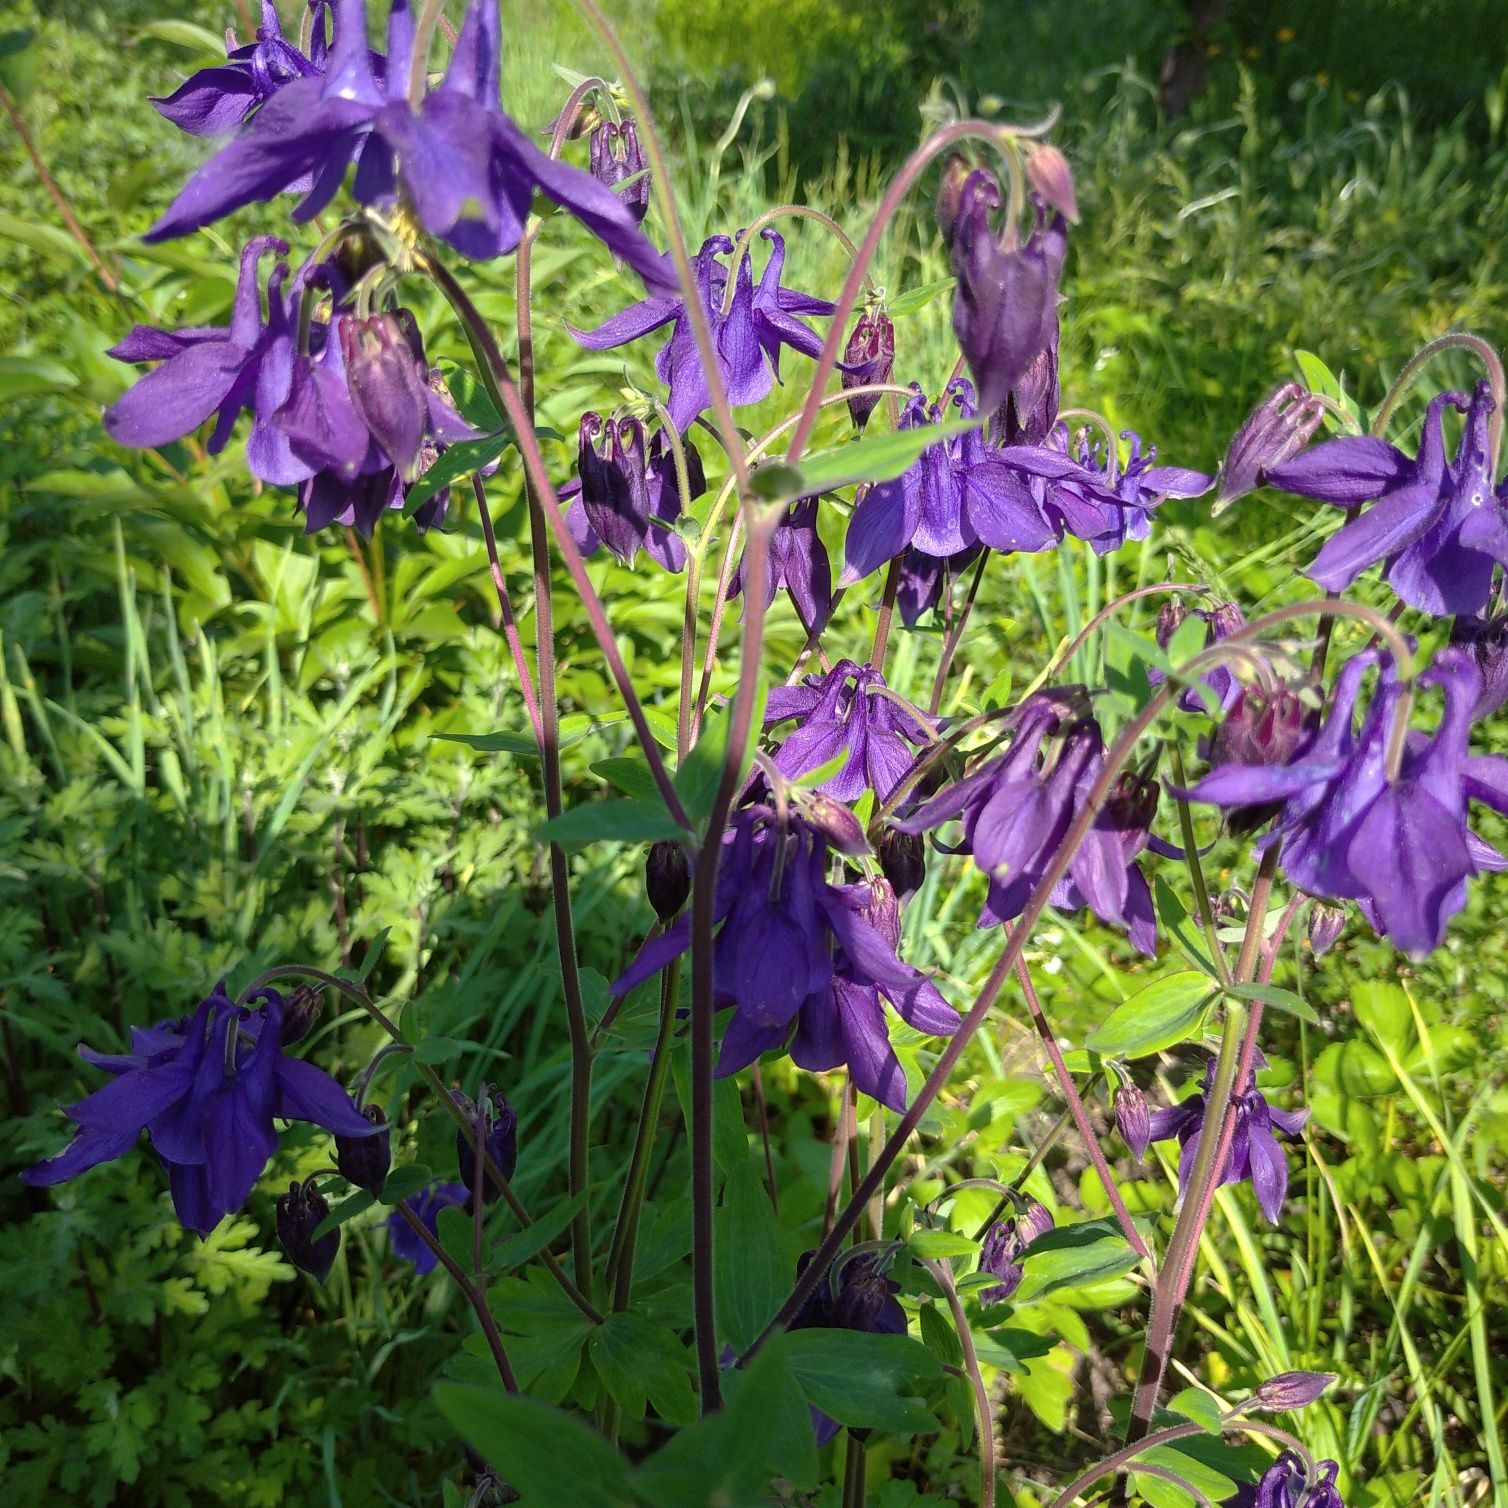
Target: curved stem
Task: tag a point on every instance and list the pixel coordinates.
(1119, 1458)
(1456, 340)
(418, 67)
(1065, 656)
(505, 607)
(955, 637)
(942, 1273)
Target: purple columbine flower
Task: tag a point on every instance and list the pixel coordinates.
(798, 561)
(1401, 847)
(616, 156)
(206, 1089)
(868, 358)
(1030, 409)
(958, 494)
(1221, 621)
(1005, 304)
(1288, 1483)
(1082, 488)
(215, 101)
(425, 1206)
(299, 1213)
(1254, 1150)
(1004, 1244)
(1486, 640)
(467, 171)
(747, 339)
(847, 709)
(1437, 525)
(629, 497)
(1280, 426)
(499, 1137)
(923, 579)
(804, 962)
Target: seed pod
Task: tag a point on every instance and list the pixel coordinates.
(365, 1160)
(300, 1012)
(299, 1213)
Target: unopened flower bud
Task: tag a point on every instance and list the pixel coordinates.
(956, 173)
(1048, 173)
(1031, 408)
(836, 823)
(667, 878)
(1487, 641)
(499, 1139)
(1276, 431)
(300, 1012)
(1325, 923)
(299, 1213)
(902, 860)
(863, 1291)
(881, 910)
(868, 358)
(1291, 1390)
(1261, 728)
(615, 155)
(1133, 1119)
(388, 380)
(365, 1160)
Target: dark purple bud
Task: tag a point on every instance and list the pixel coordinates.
(1291, 1390)
(1170, 618)
(1003, 1245)
(1278, 429)
(1325, 923)
(955, 174)
(299, 1213)
(868, 358)
(1486, 640)
(615, 156)
(499, 1138)
(882, 911)
(301, 1012)
(902, 860)
(1133, 1119)
(388, 382)
(1261, 728)
(863, 1292)
(667, 878)
(836, 823)
(1048, 173)
(365, 1160)
(615, 483)
(1132, 803)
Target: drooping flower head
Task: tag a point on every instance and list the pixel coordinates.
(1254, 1150)
(1280, 426)
(497, 1121)
(299, 1214)
(425, 1206)
(463, 167)
(1289, 1483)
(805, 963)
(797, 560)
(616, 157)
(365, 1160)
(956, 495)
(747, 338)
(1438, 525)
(868, 359)
(846, 710)
(206, 1089)
(1004, 1244)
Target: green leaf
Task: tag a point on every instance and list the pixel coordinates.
(501, 742)
(918, 298)
(1164, 1013)
(186, 35)
(636, 1358)
(406, 1181)
(629, 775)
(751, 1274)
(1355, 1068)
(548, 1457)
(345, 1210)
(437, 1049)
(875, 458)
(1281, 999)
(861, 1379)
(1384, 1010)
(1073, 1256)
(1199, 1407)
(527, 1244)
(45, 240)
(1174, 918)
(18, 62)
(941, 1243)
(611, 821)
(471, 398)
(453, 463)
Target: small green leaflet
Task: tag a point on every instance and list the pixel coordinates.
(611, 821)
(1164, 1013)
(455, 462)
(1281, 999)
(879, 458)
(529, 1242)
(1073, 1256)
(917, 298)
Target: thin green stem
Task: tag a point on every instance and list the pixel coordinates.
(942, 1273)
(1196, 870)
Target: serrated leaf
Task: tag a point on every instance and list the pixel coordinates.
(1157, 1016)
(638, 1359)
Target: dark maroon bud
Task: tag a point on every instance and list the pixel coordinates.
(1048, 173)
(955, 174)
(365, 1160)
(499, 1137)
(902, 860)
(868, 358)
(1132, 803)
(1291, 1390)
(1487, 641)
(388, 381)
(1262, 728)
(1170, 617)
(299, 1213)
(301, 1012)
(836, 823)
(1133, 1119)
(862, 1294)
(667, 878)
(1277, 430)
(1031, 409)
(1325, 923)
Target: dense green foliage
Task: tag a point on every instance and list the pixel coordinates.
(220, 749)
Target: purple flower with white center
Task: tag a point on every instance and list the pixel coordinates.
(425, 1206)
(956, 495)
(805, 963)
(615, 157)
(1084, 490)
(212, 370)
(747, 339)
(467, 171)
(215, 101)
(1004, 1244)
(1221, 621)
(1289, 1483)
(629, 497)
(1437, 525)
(1005, 303)
(206, 1089)
(1399, 846)
(846, 710)
(1276, 431)
(1254, 1150)
(797, 560)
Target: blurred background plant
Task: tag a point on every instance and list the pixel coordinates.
(220, 742)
